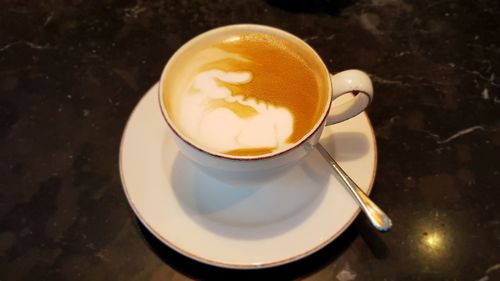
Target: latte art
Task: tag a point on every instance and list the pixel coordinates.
(227, 122)
(249, 94)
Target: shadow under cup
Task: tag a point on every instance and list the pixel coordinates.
(179, 72)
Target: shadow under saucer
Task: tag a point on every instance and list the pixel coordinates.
(297, 269)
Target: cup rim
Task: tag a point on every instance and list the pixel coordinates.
(249, 27)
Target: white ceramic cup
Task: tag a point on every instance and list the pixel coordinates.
(349, 81)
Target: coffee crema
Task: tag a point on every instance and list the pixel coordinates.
(245, 95)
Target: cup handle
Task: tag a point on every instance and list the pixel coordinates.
(350, 81)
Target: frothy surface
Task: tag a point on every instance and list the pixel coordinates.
(249, 94)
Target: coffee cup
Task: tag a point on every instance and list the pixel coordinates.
(249, 97)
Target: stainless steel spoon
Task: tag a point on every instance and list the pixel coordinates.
(377, 217)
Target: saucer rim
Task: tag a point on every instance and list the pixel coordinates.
(229, 265)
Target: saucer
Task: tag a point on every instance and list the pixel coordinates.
(250, 223)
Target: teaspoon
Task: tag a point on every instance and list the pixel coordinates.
(377, 217)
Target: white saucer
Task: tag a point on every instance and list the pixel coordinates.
(257, 223)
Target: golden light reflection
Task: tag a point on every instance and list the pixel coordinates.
(434, 243)
(433, 240)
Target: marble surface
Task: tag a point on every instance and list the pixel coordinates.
(72, 71)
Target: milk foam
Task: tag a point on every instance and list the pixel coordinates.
(221, 129)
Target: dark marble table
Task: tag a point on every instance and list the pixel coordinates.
(72, 71)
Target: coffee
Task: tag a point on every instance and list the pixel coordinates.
(245, 94)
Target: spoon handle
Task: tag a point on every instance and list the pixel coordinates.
(377, 217)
